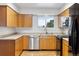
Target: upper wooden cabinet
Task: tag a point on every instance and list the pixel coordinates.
(64, 13)
(3, 16)
(28, 21)
(8, 17)
(71, 11)
(24, 20)
(20, 20)
(11, 18)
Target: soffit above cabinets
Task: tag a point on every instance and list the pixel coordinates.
(40, 8)
(40, 5)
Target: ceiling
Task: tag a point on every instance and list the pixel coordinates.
(40, 8)
(40, 5)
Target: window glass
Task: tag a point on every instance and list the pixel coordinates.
(45, 21)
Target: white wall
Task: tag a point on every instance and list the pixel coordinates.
(5, 31)
(36, 29)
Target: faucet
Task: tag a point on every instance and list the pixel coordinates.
(45, 30)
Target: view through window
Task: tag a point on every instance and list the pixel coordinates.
(46, 21)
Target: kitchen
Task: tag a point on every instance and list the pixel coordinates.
(26, 27)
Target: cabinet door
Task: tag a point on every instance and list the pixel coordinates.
(15, 19)
(12, 47)
(28, 21)
(20, 44)
(4, 48)
(48, 42)
(25, 42)
(20, 20)
(52, 42)
(7, 48)
(17, 47)
(3, 16)
(11, 18)
(44, 43)
(65, 48)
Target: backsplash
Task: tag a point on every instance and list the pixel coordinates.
(5, 31)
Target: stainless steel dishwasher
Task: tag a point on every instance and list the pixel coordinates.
(34, 42)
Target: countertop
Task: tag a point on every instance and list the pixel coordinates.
(11, 37)
(16, 36)
(67, 39)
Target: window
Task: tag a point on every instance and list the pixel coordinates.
(65, 21)
(45, 21)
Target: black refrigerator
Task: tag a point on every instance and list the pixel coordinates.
(74, 29)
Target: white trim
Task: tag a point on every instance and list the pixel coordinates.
(12, 6)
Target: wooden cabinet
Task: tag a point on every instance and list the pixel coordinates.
(7, 48)
(24, 20)
(18, 46)
(11, 18)
(28, 21)
(3, 16)
(20, 20)
(52, 42)
(8, 17)
(48, 42)
(26, 42)
(43, 43)
(65, 13)
(11, 47)
(65, 48)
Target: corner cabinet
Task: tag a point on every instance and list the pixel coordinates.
(8, 17)
(11, 47)
(24, 20)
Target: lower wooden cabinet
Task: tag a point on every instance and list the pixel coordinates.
(65, 48)
(48, 42)
(18, 46)
(7, 48)
(11, 47)
(26, 42)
